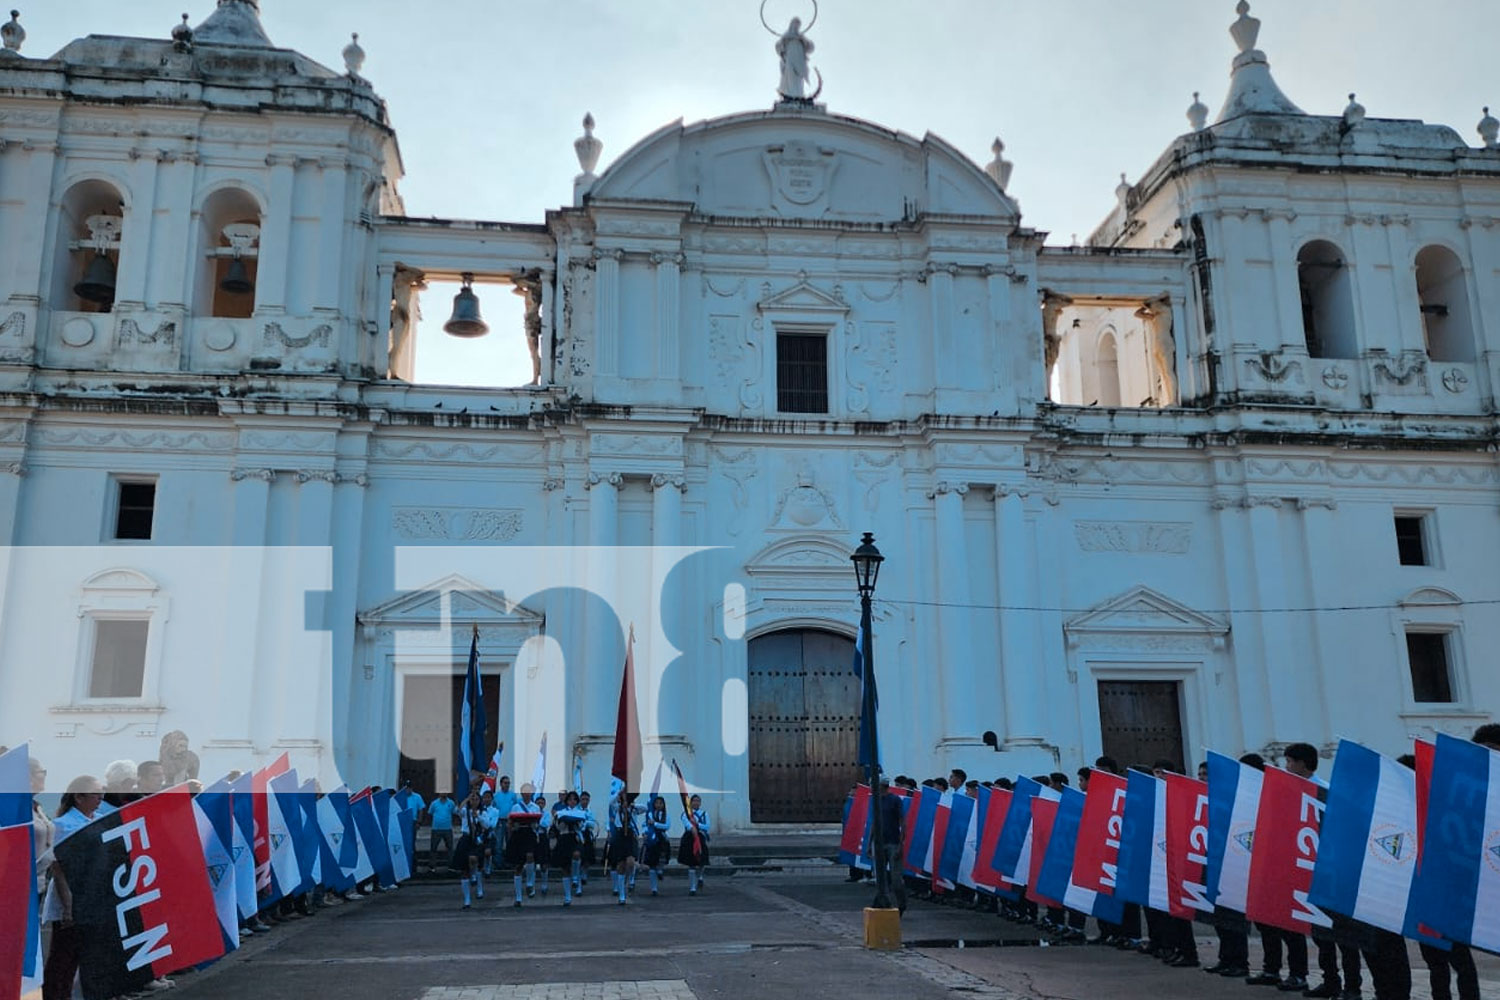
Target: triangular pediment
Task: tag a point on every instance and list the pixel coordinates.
(467, 601)
(803, 297)
(1142, 609)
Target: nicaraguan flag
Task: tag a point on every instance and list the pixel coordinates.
(283, 829)
(855, 834)
(399, 830)
(1459, 879)
(1142, 873)
(994, 803)
(310, 844)
(338, 851)
(20, 920)
(939, 837)
(471, 726)
(919, 845)
(1055, 879)
(242, 805)
(1233, 803)
(1012, 857)
(372, 837)
(955, 838)
(1367, 845)
(1043, 816)
(218, 862)
(1096, 856)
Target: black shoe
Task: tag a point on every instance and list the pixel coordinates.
(855, 877)
(1169, 955)
(1217, 969)
(1263, 979)
(1235, 972)
(1351, 994)
(1325, 989)
(1293, 984)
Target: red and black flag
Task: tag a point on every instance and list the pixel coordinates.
(687, 811)
(141, 895)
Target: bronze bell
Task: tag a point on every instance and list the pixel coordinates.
(237, 278)
(98, 284)
(465, 321)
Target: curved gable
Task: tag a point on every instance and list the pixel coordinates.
(801, 165)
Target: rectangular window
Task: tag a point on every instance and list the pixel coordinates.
(802, 373)
(1411, 540)
(135, 509)
(118, 668)
(1431, 679)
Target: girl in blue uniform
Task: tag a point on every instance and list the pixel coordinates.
(692, 852)
(657, 849)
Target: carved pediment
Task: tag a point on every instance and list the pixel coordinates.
(467, 602)
(1142, 610)
(803, 556)
(1431, 597)
(121, 580)
(803, 297)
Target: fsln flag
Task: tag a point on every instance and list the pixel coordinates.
(1142, 874)
(17, 897)
(283, 829)
(471, 725)
(994, 803)
(1459, 894)
(141, 896)
(1057, 876)
(869, 700)
(242, 805)
(1097, 852)
(15, 810)
(261, 799)
(856, 830)
(1367, 845)
(1043, 817)
(218, 862)
(1014, 832)
(1187, 846)
(1233, 802)
(1422, 751)
(1285, 854)
(625, 766)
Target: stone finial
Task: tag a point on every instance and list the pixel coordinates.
(1246, 30)
(1354, 113)
(1122, 193)
(999, 168)
(1489, 130)
(587, 146)
(1197, 114)
(11, 32)
(354, 56)
(182, 36)
(1252, 90)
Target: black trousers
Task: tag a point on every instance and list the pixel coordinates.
(1180, 936)
(1443, 964)
(1274, 941)
(1390, 968)
(62, 962)
(1234, 939)
(1330, 955)
(1130, 922)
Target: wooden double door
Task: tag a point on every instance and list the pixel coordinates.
(804, 726)
(1140, 722)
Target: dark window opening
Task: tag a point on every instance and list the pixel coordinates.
(1409, 541)
(1430, 678)
(119, 664)
(801, 373)
(136, 509)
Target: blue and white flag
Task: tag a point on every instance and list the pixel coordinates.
(402, 834)
(957, 842)
(242, 805)
(921, 816)
(1367, 843)
(1233, 803)
(283, 829)
(372, 838)
(1012, 857)
(869, 701)
(1055, 880)
(1458, 893)
(1142, 875)
(310, 844)
(470, 764)
(213, 813)
(339, 849)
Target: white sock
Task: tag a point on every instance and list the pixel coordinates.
(653, 880)
(692, 880)
(479, 883)
(518, 888)
(577, 867)
(530, 874)
(546, 874)
(567, 891)
(465, 883)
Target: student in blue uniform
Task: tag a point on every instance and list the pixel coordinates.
(587, 846)
(620, 849)
(469, 852)
(692, 852)
(568, 849)
(522, 839)
(657, 848)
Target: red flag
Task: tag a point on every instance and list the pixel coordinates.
(1187, 846)
(856, 825)
(141, 894)
(17, 888)
(1096, 855)
(1043, 814)
(1286, 850)
(939, 836)
(261, 844)
(985, 875)
(626, 765)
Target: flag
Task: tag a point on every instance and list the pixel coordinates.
(578, 772)
(1459, 895)
(260, 798)
(994, 803)
(310, 844)
(869, 699)
(242, 806)
(214, 813)
(17, 897)
(141, 896)
(539, 770)
(855, 834)
(625, 767)
(283, 830)
(919, 842)
(1097, 850)
(1187, 846)
(1233, 804)
(1286, 851)
(1012, 858)
(956, 842)
(400, 833)
(1057, 875)
(682, 791)
(1142, 873)
(336, 853)
(1422, 751)
(1367, 845)
(939, 837)
(20, 927)
(1043, 816)
(372, 838)
(471, 726)
(492, 776)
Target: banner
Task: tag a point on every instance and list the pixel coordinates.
(20, 920)
(1011, 858)
(856, 830)
(372, 838)
(310, 843)
(337, 852)
(994, 803)
(400, 832)
(283, 829)
(468, 761)
(215, 819)
(1096, 857)
(1286, 851)
(141, 896)
(1056, 877)
(1459, 894)
(1233, 803)
(1187, 846)
(242, 807)
(919, 840)
(1367, 845)
(17, 898)
(625, 765)
(260, 797)
(1142, 874)
(1043, 816)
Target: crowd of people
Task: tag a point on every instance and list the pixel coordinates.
(501, 830)
(1344, 953)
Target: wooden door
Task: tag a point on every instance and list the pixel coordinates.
(430, 729)
(804, 726)
(1141, 722)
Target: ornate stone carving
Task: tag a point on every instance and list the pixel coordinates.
(1164, 537)
(1407, 370)
(608, 479)
(1335, 377)
(316, 475)
(420, 450)
(800, 175)
(275, 336)
(635, 444)
(116, 438)
(456, 523)
(660, 480)
(14, 469)
(1253, 501)
(14, 326)
(265, 475)
(805, 504)
(78, 331)
(1455, 381)
(553, 483)
(944, 486)
(739, 468)
(356, 479)
(1273, 368)
(165, 333)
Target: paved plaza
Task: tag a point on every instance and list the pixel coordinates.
(751, 935)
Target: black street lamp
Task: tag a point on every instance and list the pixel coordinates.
(867, 560)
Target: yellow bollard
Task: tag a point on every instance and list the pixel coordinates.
(882, 929)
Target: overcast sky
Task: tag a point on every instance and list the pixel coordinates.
(487, 95)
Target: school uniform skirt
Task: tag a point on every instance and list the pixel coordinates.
(586, 848)
(563, 850)
(692, 850)
(469, 846)
(520, 843)
(621, 845)
(657, 852)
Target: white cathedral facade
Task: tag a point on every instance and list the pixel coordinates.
(1227, 475)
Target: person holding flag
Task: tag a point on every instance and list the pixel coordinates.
(471, 725)
(470, 851)
(692, 852)
(620, 849)
(658, 844)
(588, 834)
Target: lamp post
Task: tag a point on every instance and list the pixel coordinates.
(867, 560)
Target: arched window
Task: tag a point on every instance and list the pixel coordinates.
(87, 257)
(230, 237)
(1107, 370)
(1444, 295)
(1327, 301)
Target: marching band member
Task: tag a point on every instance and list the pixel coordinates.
(588, 833)
(521, 840)
(568, 822)
(619, 851)
(693, 850)
(543, 856)
(472, 836)
(658, 845)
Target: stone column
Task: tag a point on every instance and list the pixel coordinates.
(239, 662)
(946, 355)
(136, 252)
(329, 286)
(1321, 555)
(1020, 652)
(666, 532)
(668, 306)
(600, 675)
(348, 567)
(959, 723)
(276, 236)
(175, 237)
(38, 162)
(607, 311)
(1285, 666)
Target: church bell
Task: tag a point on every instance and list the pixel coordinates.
(465, 321)
(98, 284)
(237, 278)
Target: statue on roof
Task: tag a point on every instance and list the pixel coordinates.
(793, 47)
